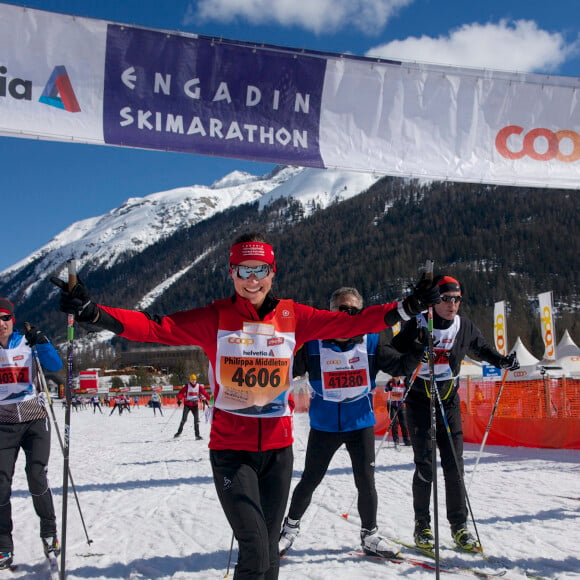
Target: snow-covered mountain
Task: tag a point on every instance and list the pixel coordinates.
(141, 221)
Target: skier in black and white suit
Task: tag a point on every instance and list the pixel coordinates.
(454, 336)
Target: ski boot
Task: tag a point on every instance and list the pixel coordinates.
(424, 536)
(289, 532)
(51, 546)
(375, 545)
(6, 559)
(464, 540)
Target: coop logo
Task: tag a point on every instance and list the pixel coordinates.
(238, 340)
(546, 320)
(539, 144)
(59, 92)
(500, 333)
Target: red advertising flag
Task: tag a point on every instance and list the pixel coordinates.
(88, 380)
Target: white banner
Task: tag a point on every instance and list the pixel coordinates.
(91, 81)
(500, 328)
(547, 325)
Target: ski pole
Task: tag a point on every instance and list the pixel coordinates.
(72, 281)
(227, 574)
(433, 411)
(488, 428)
(169, 420)
(42, 381)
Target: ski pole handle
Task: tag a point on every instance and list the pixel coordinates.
(429, 269)
(429, 276)
(72, 274)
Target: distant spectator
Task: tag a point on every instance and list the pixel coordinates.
(191, 395)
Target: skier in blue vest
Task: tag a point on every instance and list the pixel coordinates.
(24, 425)
(342, 375)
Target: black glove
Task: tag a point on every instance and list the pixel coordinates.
(77, 301)
(425, 294)
(510, 362)
(421, 341)
(33, 336)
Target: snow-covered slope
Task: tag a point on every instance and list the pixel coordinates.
(142, 221)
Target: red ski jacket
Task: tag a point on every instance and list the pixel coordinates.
(202, 394)
(200, 327)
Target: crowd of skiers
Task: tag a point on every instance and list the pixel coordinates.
(256, 344)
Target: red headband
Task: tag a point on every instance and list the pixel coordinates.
(259, 251)
(448, 284)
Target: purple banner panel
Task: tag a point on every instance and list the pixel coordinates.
(197, 95)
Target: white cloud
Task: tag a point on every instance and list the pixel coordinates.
(368, 16)
(516, 46)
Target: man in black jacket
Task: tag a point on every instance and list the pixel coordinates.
(453, 337)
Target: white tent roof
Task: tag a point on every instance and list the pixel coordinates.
(525, 357)
(568, 356)
(567, 347)
(528, 364)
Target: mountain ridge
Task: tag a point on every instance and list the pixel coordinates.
(330, 229)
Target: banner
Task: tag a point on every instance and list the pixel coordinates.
(89, 381)
(92, 81)
(488, 371)
(500, 328)
(547, 325)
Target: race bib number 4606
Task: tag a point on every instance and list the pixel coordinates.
(254, 380)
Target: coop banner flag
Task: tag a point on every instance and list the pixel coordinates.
(92, 81)
(547, 325)
(500, 327)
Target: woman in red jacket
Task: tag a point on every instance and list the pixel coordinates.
(250, 340)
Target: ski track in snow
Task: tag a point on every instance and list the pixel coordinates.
(150, 507)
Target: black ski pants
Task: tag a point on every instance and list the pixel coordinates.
(397, 414)
(34, 438)
(253, 489)
(419, 421)
(195, 412)
(322, 446)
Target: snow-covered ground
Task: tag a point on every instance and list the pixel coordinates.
(151, 510)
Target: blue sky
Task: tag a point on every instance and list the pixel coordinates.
(518, 35)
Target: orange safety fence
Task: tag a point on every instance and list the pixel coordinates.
(540, 413)
(381, 406)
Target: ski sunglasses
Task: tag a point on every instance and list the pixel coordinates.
(6, 317)
(352, 310)
(244, 272)
(455, 299)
